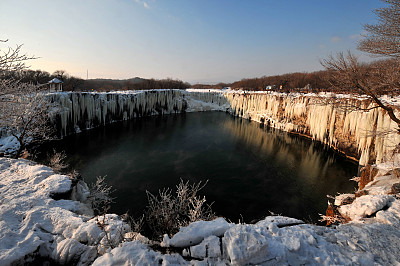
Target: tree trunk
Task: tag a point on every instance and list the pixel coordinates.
(20, 149)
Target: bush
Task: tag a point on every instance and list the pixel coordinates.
(166, 213)
(56, 161)
(100, 196)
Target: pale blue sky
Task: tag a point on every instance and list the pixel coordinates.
(193, 40)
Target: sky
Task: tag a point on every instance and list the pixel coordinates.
(198, 41)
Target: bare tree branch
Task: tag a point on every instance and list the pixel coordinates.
(24, 110)
(383, 38)
(371, 79)
(12, 59)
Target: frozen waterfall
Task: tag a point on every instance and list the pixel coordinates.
(368, 135)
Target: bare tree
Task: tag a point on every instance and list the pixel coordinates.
(100, 196)
(383, 38)
(26, 117)
(11, 59)
(57, 161)
(379, 77)
(370, 79)
(24, 110)
(60, 74)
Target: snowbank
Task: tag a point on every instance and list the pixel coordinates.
(8, 145)
(33, 225)
(272, 242)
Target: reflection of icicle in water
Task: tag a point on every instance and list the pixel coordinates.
(295, 154)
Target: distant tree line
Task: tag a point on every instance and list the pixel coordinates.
(135, 84)
(41, 78)
(218, 86)
(314, 81)
(324, 80)
(72, 83)
(309, 81)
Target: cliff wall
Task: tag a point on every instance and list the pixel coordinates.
(80, 111)
(352, 126)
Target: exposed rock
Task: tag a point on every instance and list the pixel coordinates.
(361, 193)
(344, 199)
(395, 188)
(367, 175)
(329, 213)
(395, 172)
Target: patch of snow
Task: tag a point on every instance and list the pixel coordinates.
(8, 145)
(33, 224)
(196, 232)
(365, 206)
(136, 253)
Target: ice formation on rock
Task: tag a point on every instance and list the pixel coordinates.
(79, 111)
(372, 131)
(368, 135)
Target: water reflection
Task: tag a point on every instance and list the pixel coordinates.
(309, 160)
(251, 171)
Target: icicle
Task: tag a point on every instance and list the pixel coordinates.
(291, 112)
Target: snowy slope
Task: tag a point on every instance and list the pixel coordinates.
(32, 225)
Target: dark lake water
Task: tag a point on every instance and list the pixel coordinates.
(251, 171)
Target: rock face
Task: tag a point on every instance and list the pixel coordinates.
(80, 111)
(368, 135)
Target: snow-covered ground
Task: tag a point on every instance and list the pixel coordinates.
(8, 144)
(33, 225)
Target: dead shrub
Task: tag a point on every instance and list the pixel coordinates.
(100, 196)
(56, 161)
(332, 216)
(167, 212)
